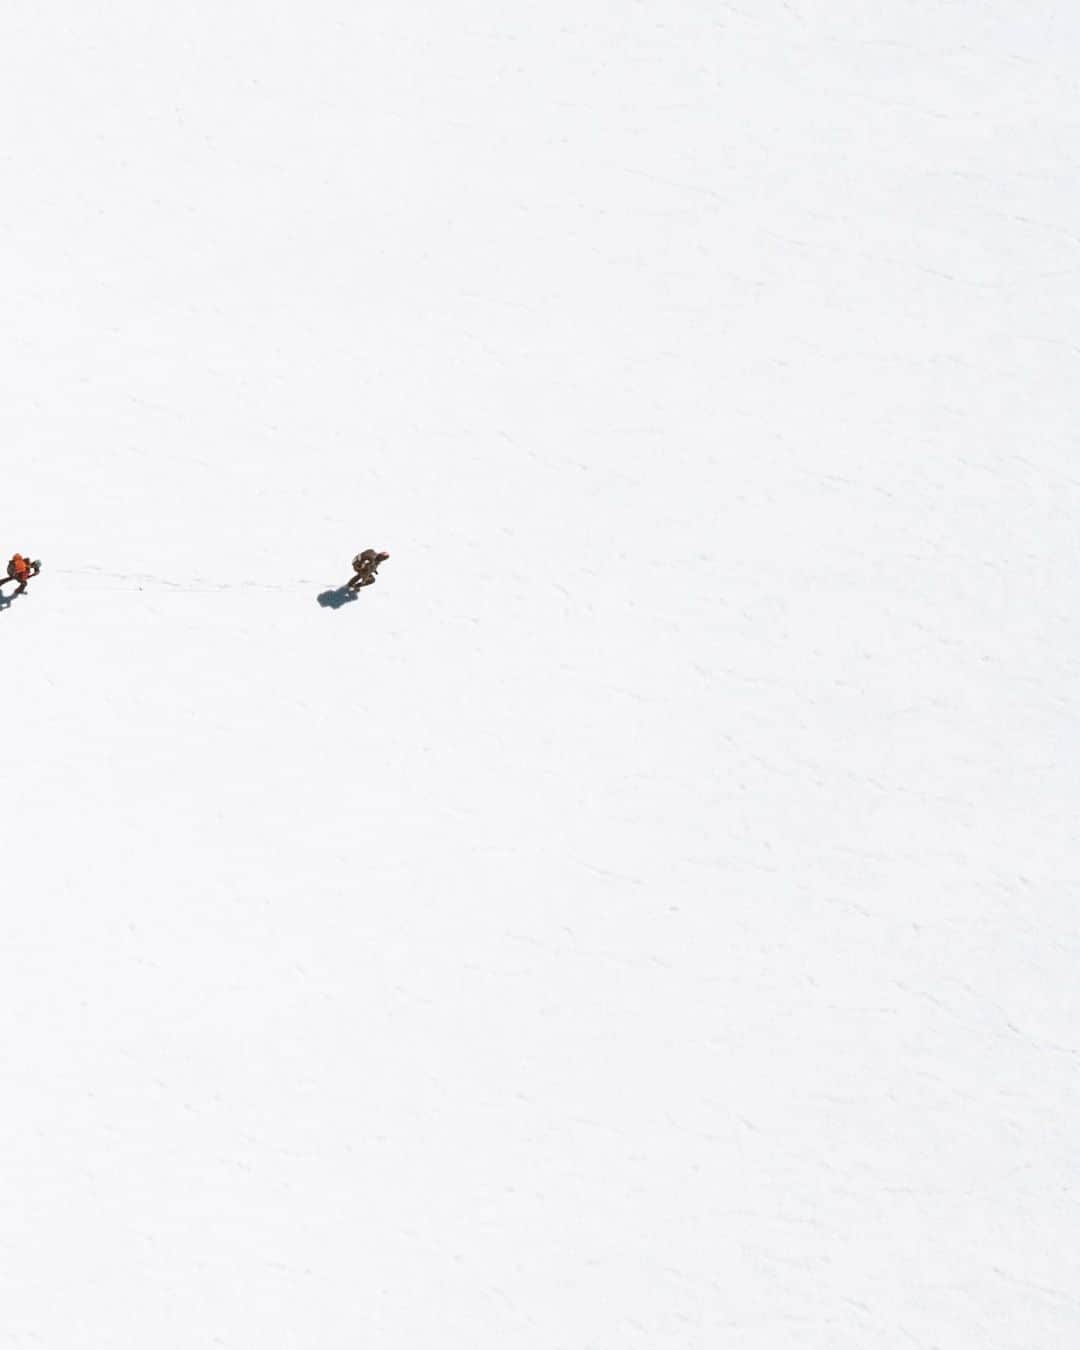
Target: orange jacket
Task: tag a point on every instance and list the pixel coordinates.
(19, 568)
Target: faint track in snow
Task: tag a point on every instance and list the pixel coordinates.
(193, 585)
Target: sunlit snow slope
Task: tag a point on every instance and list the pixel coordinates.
(646, 919)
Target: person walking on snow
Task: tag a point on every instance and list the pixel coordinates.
(365, 565)
(21, 569)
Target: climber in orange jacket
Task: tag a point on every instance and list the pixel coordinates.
(21, 569)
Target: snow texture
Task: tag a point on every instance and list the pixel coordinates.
(647, 918)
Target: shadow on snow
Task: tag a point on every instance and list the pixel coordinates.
(335, 599)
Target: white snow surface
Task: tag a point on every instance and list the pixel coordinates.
(646, 919)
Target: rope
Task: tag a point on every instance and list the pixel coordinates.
(192, 585)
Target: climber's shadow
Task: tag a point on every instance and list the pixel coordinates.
(335, 599)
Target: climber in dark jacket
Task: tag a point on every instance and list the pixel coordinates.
(365, 565)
